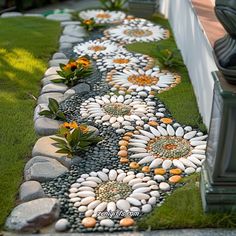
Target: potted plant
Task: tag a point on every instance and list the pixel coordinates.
(143, 8)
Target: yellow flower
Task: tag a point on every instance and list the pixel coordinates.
(70, 125)
(88, 22)
(85, 62)
(84, 129)
(70, 66)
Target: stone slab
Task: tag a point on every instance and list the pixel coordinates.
(48, 79)
(32, 216)
(59, 17)
(45, 126)
(57, 62)
(11, 14)
(75, 31)
(31, 190)
(59, 55)
(52, 71)
(43, 169)
(70, 39)
(38, 109)
(65, 23)
(44, 97)
(45, 146)
(54, 87)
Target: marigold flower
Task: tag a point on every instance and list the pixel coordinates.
(88, 22)
(70, 125)
(84, 129)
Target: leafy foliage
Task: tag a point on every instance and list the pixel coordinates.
(113, 5)
(168, 58)
(53, 112)
(73, 138)
(74, 71)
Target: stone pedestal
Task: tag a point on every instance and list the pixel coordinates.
(218, 180)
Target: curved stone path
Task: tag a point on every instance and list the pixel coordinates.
(144, 153)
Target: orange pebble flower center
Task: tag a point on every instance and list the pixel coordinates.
(103, 15)
(142, 80)
(137, 32)
(97, 48)
(121, 61)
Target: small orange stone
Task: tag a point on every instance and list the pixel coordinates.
(136, 132)
(124, 160)
(159, 171)
(123, 143)
(153, 123)
(175, 179)
(126, 222)
(166, 120)
(89, 222)
(176, 171)
(152, 93)
(146, 169)
(129, 134)
(123, 153)
(134, 165)
(123, 148)
(127, 138)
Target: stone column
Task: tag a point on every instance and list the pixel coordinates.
(218, 179)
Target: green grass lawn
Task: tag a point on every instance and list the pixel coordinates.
(180, 100)
(26, 45)
(183, 209)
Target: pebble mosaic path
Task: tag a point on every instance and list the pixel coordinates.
(144, 153)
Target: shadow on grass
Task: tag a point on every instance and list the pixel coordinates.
(26, 44)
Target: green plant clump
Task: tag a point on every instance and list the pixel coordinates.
(54, 111)
(113, 5)
(73, 138)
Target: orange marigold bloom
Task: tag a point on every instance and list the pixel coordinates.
(70, 125)
(88, 22)
(85, 62)
(84, 128)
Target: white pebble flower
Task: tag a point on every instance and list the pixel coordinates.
(95, 48)
(168, 148)
(130, 34)
(140, 22)
(143, 80)
(122, 60)
(103, 17)
(122, 112)
(111, 191)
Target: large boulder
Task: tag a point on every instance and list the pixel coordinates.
(31, 190)
(44, 97)
(32, 216)
(46, 126)
(45, 146)
(43, 169)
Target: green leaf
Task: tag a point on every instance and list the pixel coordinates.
(61, 116)
(63, 151)
(46, 113)
(60, 141)
(58, 80)
(53, 105)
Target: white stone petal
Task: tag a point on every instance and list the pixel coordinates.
(170, 130)
(155, 163)
(190, 134)
(187, 162)
(178, 164)
(166, 164)
(146, 160)
(162, 130)
(149, 135)
(155, 131)
(179, 132)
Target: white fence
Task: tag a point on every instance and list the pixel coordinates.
(196, 50)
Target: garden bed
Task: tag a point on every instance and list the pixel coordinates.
(149, 140)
